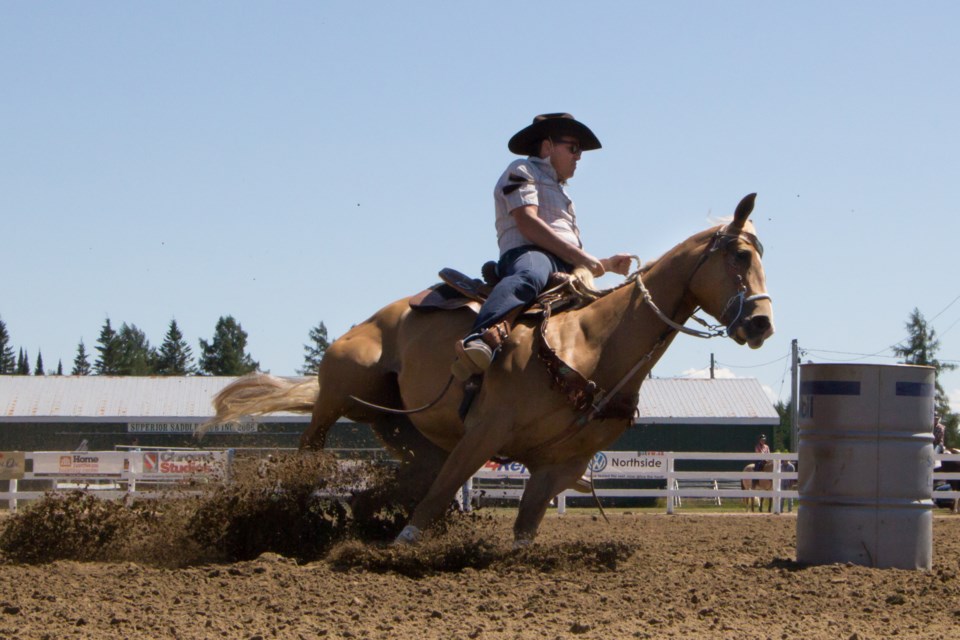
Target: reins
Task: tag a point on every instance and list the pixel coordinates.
(713, 331)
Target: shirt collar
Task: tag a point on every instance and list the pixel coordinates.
(544, 165)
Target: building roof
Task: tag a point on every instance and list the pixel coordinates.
(188, 399)
(715, 401)
(112, 399)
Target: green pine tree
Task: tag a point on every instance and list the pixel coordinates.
(782, 432)
(81, 363)
(59, 368)
(225, 355)
(38, 370)
(175, 357)
(313, 353)
(108, 362)
(8, 363)
(135, 355)
(920, 348)
(23, 363)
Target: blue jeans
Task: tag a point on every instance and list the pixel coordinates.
(524, 272)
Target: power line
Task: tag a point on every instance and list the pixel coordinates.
(944, 309)
(950, 327)
(863, 356)
(876, 354)
(753, 366)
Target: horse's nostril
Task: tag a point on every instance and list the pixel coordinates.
(759, 324)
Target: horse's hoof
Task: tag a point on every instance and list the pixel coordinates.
(410, 535)
(522, 543)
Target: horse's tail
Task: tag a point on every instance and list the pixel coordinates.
(259, 394)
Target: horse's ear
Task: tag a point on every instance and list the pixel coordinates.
(744, 209)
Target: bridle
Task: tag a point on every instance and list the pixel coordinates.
(721, 240)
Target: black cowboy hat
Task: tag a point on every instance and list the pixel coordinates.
(526, 141)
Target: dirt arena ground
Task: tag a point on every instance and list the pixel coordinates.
(643, 575)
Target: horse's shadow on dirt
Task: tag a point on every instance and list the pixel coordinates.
(453, 556)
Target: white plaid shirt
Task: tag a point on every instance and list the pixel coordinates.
(533, 181)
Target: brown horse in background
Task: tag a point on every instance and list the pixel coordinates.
(764, 484)
(401, 357)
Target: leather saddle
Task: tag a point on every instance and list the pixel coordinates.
(458, 290)
(562, 292)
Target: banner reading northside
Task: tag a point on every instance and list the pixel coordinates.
(605, 465)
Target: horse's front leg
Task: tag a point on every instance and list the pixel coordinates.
(542, 487)
(480, 443)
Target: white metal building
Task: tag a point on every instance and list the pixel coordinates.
(51, 412)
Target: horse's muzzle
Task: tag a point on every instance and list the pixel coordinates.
(752, 330)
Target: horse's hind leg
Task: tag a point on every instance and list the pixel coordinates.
(325, 414)
(420, 459)
(350, 367)
(379, 510)
(544, 485)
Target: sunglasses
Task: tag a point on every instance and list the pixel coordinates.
(572, 145)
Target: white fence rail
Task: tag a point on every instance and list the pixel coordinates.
(143, 474)
(710, 484)
(111, 474)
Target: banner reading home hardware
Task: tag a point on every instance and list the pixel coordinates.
(78, 463)
(605, 464)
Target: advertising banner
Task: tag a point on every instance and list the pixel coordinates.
(12, 465)
(493, 469)
(188, 427)
(605, 465)
(51, 464)
(176, 465)
(629, 464)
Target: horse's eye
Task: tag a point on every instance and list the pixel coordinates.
(744, 256)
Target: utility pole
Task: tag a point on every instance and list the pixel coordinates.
(712, 363)
(794, 394)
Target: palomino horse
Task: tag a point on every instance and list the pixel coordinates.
(402, 357)
(764, 484)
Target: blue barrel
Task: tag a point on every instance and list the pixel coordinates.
(865, 475)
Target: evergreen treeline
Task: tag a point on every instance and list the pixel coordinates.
(127, 352)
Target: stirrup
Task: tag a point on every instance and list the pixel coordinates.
(464, 367)
(475, 361)
(478, 352)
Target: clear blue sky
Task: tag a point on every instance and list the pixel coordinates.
(297, 162)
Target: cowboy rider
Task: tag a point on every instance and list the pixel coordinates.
(761, 447)
(537, 231)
